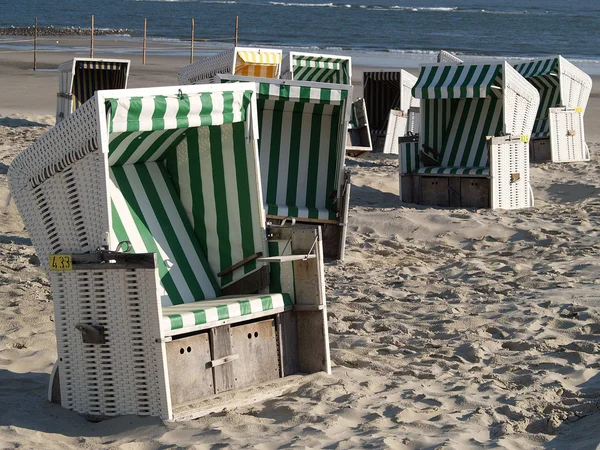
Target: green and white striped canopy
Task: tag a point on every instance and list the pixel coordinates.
(543, 75)
(324, 69)
(302, 131)
(458, 81)
(184, 185)
(538, 68)
(161, 112)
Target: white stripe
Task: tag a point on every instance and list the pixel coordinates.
(265, 146)
(145, 119)
(478, 132)
(142, 145)
(183, 173)
(195, 110)
(119, 122)
(304, 154)
(188, 318)
(238, 97)
(324, 142)
(256, 305)
(234, 310)
(171, 113)
(208, 196)
(232, 199)
(211, 314)
(284, 153)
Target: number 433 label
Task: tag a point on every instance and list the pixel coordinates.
(61, 262)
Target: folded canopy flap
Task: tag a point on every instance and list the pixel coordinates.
(162, 112)
(538, 68)
(259, 57)
(100, 65)
(302, 94)
(457, 81)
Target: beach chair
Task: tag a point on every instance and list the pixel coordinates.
(171, 298)
(316, 67)
(335, 69)
(79, 78)
(392, 110)
(359, 135)
(301, 150)
(445, 57)
(472, 148)
(558, 134)
(247, 61)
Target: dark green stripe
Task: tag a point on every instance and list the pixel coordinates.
(244, 187)
(313, 156)
(220, 193)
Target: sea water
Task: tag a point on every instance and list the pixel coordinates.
(377, 32)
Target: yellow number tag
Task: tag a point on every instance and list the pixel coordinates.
(61, 262)
(578, 109)
(524, 138)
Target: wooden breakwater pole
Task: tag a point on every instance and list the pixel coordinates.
(192, 44)
(236, 31)
(144, 44)
(92, 38)
(35, 35)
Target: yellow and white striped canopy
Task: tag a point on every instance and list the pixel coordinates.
(258, 63)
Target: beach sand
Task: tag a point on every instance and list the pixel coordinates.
(449, 328)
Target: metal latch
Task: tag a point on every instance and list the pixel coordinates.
(91, 334)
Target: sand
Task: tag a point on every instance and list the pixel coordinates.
(449, 328)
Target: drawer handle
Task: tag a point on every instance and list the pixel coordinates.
(221, 361)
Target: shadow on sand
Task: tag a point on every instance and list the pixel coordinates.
(23, 397)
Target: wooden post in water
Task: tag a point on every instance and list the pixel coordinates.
(192, 44)
(35, 34)
(144, 45)
(236, 30)
(92, 38)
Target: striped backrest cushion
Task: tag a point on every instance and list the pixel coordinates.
(299, 152)
(146, 211)
(213, 170)
(543, 75)
(472, 121)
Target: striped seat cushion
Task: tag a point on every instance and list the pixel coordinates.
(183, 318)
(300, 213)
(472, 171)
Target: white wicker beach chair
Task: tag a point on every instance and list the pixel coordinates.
(558, 134)
(79, 78)
(246, 61)
(301, 146)
(445, 57)
(393, 111)
(192, 301)
(472, 149)
(359, 135)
